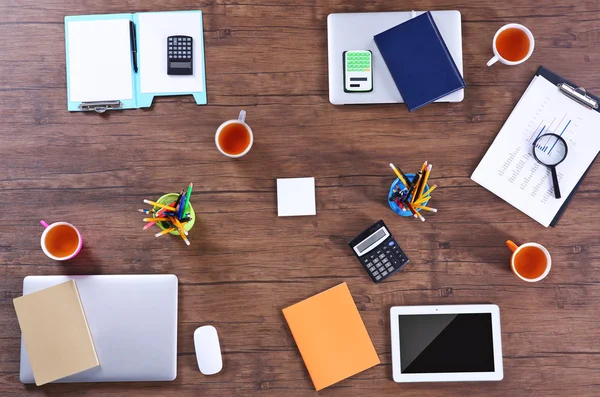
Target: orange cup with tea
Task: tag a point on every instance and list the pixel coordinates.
(513, 44)
(234, 138)
(530, 262)
(61, 241)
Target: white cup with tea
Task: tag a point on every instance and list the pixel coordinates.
(513, 44)
(234, 138)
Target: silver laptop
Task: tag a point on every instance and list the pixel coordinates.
(133, 323)
(355, 31)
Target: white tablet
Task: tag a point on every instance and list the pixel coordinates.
(446, 343)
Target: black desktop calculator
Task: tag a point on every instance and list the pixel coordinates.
(379, 253)
(180, 55)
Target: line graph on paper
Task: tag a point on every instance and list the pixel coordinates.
(549, 120)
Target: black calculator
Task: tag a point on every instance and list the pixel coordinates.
(379, 253)
(180, 55)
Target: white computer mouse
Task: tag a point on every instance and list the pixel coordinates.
(208, 350)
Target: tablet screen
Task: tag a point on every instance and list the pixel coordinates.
(438, 343)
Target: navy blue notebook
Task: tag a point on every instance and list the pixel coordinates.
(419, 61)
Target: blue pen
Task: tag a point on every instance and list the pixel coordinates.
(181, 205)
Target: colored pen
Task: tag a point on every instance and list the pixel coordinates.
(399, 175)
(132, 39)
(178, 199)
(180, 208)
(154, 203)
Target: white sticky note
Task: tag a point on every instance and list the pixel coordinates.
(296, 197)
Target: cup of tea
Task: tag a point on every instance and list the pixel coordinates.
(234, 138)
(61, 241)
(513, 44)
(531, 262)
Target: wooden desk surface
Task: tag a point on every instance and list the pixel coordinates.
(246, 264)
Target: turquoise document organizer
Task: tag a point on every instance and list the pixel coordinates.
(100, 74)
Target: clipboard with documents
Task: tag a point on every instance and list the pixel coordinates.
(550, 104)
(100, 59)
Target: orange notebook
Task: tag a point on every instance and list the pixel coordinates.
(331, 336)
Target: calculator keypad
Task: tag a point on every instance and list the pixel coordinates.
(179, 48)
(385, 260)
(180, 54)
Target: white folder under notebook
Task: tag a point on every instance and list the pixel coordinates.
(100, 72)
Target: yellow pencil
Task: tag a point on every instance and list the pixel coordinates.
(416, 186)
(416, 213)
(424, 182)
(426, 208)
(180, 229)
(155, 219)
(154, 203)
(399, 175)
(169, 230)
(421, 200)
(178, 224)
(428, 192)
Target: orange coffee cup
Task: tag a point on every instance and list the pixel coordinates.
(531, 262)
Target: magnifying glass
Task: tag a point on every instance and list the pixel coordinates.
(551, 150)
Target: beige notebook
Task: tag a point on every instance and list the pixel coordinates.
(56, 334)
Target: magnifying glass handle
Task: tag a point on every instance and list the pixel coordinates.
(555, 182)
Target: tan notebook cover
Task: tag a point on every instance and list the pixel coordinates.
(331, 336)
(56, 334)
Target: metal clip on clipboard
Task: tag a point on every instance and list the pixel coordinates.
(100, 107)
(578, 94)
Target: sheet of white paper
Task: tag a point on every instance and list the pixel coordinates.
(153, 30)
(509, 169)
(296, 197)
(100, 66)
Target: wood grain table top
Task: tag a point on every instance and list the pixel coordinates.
(245, 264)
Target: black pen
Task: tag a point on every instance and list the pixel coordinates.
(132, 38)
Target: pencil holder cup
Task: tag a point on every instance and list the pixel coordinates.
(167, 199)
(394, 206)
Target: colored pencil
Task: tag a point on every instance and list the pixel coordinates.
(428, 192)
(150, 224)
(178, 225)
(416, 181)
(147, 212)
(169, 230)
(188, 195)
(399, 175)
(155, 219)
(424, 181)
(426, 208)
(180, 230)
(154, 203)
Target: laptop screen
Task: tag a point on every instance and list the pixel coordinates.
(442, 343)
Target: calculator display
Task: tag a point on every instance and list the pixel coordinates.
(378, 252)
(181, 64)
(371, 240)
